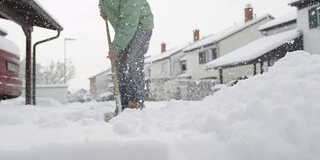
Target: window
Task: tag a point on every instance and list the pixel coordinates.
(314, 17)
(12, 67)
(149, 72)
(183, 65)
(165, 69)
(207, 56)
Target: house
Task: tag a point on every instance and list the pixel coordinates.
(218, 45)
(101, 82)
(168, 78)
(161, 71)
(284, 34)
(167, 64)
(308, 19)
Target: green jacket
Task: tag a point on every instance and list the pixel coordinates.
(126, 17)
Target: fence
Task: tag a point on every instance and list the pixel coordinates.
(181, 89)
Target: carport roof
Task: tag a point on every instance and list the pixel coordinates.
(253, 50)
(28, 13)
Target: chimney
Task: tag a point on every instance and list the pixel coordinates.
(248, 13)
(196, 35)
(163, 47)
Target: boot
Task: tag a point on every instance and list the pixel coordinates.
(133, 104)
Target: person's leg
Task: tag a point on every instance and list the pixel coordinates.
(122, 69)
(136, 50)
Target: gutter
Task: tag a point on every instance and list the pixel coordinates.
(34, 65)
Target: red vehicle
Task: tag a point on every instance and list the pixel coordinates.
(10, 83)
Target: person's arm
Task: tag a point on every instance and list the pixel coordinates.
(128, 23)
(100, 5)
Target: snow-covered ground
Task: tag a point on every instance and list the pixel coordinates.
(274, 116)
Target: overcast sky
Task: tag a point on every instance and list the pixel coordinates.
(174, 22)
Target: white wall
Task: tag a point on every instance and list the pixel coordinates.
(160, 69)
(103, 82)
(281, 29)
(241, 38)
(147, 73)
(311, 37)
(56, 92)
(196, 70)
(225, 46)
(175, 64)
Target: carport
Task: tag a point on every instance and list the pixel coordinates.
(265, 49)
(29, 14)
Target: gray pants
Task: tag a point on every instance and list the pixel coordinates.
(130, 68)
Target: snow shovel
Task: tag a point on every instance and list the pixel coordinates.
(110, 115)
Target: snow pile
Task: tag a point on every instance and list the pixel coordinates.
(269, 116)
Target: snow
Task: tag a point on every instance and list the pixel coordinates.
(269, 117)
(290, 16)
(294, 1)
(106, 72)
(184, 75)
(254, 49)
(221, 35)
(52, 86)
(41, 7)
(9, 46)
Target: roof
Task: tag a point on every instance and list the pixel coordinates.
(293, 1)
(214, 38)
(254, 49)
(287, 18)
(167, 54)
(107, 72)
(184, 75)
(303, 3)
(28, 13)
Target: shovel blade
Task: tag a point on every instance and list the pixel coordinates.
(108, 116)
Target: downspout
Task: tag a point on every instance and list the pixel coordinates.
(255, 69)
(220, 75)
(261, 67)
(34, 66)
(171, 66)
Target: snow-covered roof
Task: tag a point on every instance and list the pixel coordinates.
(107, 72)
(168, 53)
(290, 16)
(293, 1)
(224, 34)
(184, 75)
(303, 3)
(254, 49)
(9, 46)
(47, 12)
(3, 32)
(51, 86)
